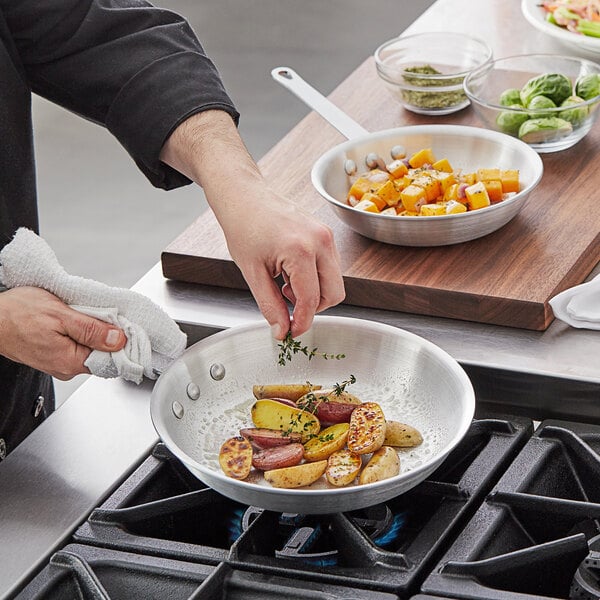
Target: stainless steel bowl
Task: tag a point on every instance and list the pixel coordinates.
(467, 148)
(413, 380)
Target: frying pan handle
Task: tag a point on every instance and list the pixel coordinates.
(289, 79)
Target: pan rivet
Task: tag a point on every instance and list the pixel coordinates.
(217, 371)
(350, 167)
(177, 409)
(193, 391)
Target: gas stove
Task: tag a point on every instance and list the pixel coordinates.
(513, 512)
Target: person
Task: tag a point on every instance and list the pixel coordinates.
(141, 72)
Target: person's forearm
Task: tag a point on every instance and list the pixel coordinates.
(208, 149)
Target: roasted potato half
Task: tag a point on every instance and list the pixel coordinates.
(270, 414)
(298, 476)
(269, 438)
(367, 428)
(401, 435)
(278, 457)
(235, 457)
(290, 391)
(343, 467)
(383, 464)
(326, 442)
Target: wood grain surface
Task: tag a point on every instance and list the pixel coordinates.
(505, 278)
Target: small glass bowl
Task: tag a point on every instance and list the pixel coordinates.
(486, 85)
(425, 71)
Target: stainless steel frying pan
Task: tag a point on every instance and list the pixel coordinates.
(205, 397)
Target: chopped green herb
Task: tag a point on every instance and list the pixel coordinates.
(431, 99)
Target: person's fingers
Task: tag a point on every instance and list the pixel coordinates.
(93, 333)
(304, 285)
(268, 296)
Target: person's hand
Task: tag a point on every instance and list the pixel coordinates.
(267, 235)
(273, 238)
(39, 330)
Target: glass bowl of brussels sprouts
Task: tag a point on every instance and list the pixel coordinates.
(425, 71)
(548, 101)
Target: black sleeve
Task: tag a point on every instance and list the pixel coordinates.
(125, 64)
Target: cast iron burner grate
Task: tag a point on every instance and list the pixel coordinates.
(87, 573)
(586, 583)
(530, 535)
(161, 510)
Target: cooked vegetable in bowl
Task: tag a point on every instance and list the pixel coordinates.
(547, 101)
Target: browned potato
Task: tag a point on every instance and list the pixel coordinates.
(278, 457)
(383, 464)
(270, 414)
(235, 457)
(401, 435)
(269, 438)
(298, 476)
(328, 441)
(343, 467)
(367, 428)
(290, 391)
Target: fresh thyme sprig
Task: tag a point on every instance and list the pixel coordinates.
(288, 347)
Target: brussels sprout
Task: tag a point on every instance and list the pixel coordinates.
(536, 131)
(575, 115)
(541, 103)
(555, 86)
(588, 86)
(510, 97)
(509, 121)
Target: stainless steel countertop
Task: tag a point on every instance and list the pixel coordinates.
(51, 482)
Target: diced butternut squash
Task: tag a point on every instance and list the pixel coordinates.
(389, 194)
(488, 174)
(397, 169)
(422, 157)
(431, 186)
(451, 193)
(469, 178)
(494, 190)
(510, 180)
(408, 213)
(376, 199)
(454, 207)
(390, 211)
(413, 197)
(359, 188)
(367, 206)
(429, 210)
(443, 165)
(446, 180)
(477, 196)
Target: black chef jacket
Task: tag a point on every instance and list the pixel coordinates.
(135, 69)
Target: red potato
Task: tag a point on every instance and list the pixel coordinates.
(278, 457)
(334, 412)
(235, 457)
(263, 438)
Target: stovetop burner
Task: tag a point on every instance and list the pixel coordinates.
(586, 583)
(163, 513)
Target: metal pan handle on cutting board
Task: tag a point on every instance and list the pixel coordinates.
(289, 79)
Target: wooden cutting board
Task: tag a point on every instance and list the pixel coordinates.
(505, 278)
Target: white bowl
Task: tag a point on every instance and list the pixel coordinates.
(536, 16)
(467, 148)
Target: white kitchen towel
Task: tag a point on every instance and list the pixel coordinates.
(579, 306)
(154, 340)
